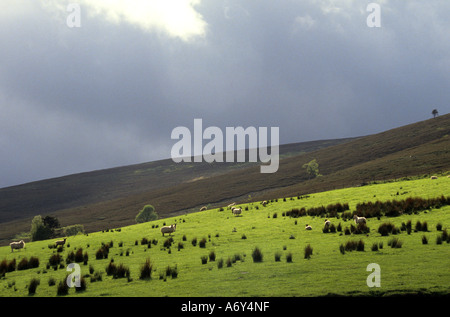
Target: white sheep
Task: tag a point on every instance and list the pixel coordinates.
(433, 177)
(203, 208)
(17, 245)
(308, 227)
(168, 229)
(327, 223)
(236, 211)
(264, 203)
(231, 205)
(60, 242)
(359, 219)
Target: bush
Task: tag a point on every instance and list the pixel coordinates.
(387, 228)
(360, 246)
(375, 246)
(168, 242)
(257, 255)
(63, 288)
(55, 259)
(424, 240)
(439, 227)
(146, 270)
(308, 251)
(33, 285)
(148, 213)
(79, 255)
(33, 262)
(289, 257)
(220, 263)
(82, 286)
(212, 256)
(202, 243)
(204, 259)
(23, 264)
(172, 271)
(72, 230)
(395, 243)
(194, 242)
(277, 256)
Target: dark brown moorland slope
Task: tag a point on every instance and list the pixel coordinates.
(415, 149)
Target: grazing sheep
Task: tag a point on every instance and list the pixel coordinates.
(308, 227)
(60, 242)
(327, 222)
(359, 219)
(236, 211)
(231, 205)
(17, 245)
(433, 177)
(264, 203)
(203, 208)
(168, 229)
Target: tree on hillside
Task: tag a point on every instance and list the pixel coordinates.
(39, 231)
(434, 113)
(312, 168)
(147, 213)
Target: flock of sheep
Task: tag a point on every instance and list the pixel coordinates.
(170, 229)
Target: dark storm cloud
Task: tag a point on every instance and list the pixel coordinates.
(110, 92)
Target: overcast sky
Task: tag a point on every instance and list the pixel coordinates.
(109, 92)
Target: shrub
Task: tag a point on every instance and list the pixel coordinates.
(375, 246)
(144, 241)
(51, 281)
(54, 259)
(79, 255)
(386, 228)
(395, 243)
(212, 256)
(360, 245)
(194, 242)
(180, 245)
(220, 263)
(424, 240)
(172, 271)
(257, 255)
(82, 286)
(122, 271)
(308, 251)
(111, 268)
(439, 239)
(289, 257)
(445, 236)
(202, 243)
(33, 285)
(168, 242)
(204, 259)
(63, 288)
(277, 256)
(146, 270)
(23, 264)
(342, 248)
(439, 226)
(148, 213)
(33, 262)
(96, 277)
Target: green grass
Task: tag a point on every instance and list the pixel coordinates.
(415, 267)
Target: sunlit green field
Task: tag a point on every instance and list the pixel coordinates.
(415, 267)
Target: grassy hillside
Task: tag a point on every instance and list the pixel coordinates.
(410, 269)
(175, 189)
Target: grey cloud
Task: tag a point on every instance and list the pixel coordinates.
(109, 94)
